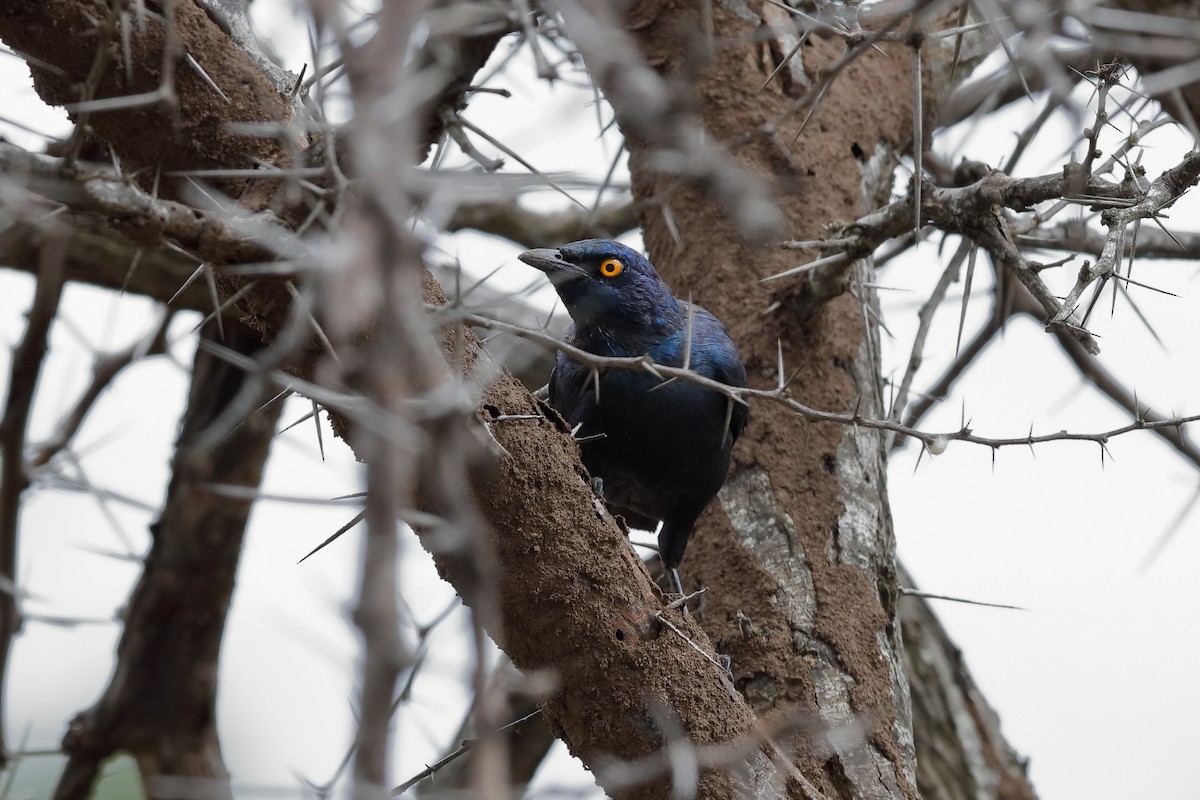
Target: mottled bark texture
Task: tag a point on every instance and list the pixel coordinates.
(188, 127)
(160, 705)
(798, 556)
(961, 752)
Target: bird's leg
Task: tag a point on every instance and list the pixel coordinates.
(677, 587)
(598, 488)
(673, 579)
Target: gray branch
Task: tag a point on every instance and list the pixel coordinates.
(533, 229)
(1168, 188)
(1076, 236)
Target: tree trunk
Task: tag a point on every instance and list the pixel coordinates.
(799, 556)
(160, 705)
(961, 752)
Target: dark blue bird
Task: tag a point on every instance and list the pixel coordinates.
(660, 450)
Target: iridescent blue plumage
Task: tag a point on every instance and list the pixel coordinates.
(662, 451)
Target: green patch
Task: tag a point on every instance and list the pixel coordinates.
(119, 780)
(32, 777)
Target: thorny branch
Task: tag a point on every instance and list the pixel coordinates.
(531, 229)
(1089, 367)
(397, 367)
(464, 747)
(217, 237)
(105, 369)
(1171, 430)
(156, 244)
(1076, 236)
(978, 211)
(953, 208)
(421, 453)
(527, 741)
(1160, 194)
(27, 360)
(925, 317)
(935, 442)
(957, 368)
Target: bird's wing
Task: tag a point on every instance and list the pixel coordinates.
(733, 373)
(555, 391)
(722, 361)
(570, 392)
(738, 420)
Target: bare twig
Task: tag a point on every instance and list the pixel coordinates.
(27, 359)
(1160, 194)
(925, 320)
(905, 591)
(105, 369)
(1076, 236)
(532, 229)
(463, 748)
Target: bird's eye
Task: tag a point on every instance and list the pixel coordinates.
(611, 268)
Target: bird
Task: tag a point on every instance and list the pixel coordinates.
(660, 448)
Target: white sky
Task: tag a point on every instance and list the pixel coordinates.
(1095, 683)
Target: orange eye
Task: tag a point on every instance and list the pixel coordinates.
(611, 268)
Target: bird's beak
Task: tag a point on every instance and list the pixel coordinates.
(551, 262)
(547, 259)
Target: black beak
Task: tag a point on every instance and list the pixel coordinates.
(547, 259)
(551, 262)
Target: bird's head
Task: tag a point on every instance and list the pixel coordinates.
(602, 282)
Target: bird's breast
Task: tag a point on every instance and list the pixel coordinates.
(654, 447)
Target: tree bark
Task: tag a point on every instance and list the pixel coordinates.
(187, 125)
(799, 556)
(961, 752)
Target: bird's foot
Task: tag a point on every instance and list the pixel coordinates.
(598, 488)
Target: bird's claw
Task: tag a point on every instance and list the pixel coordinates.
(598, 488)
